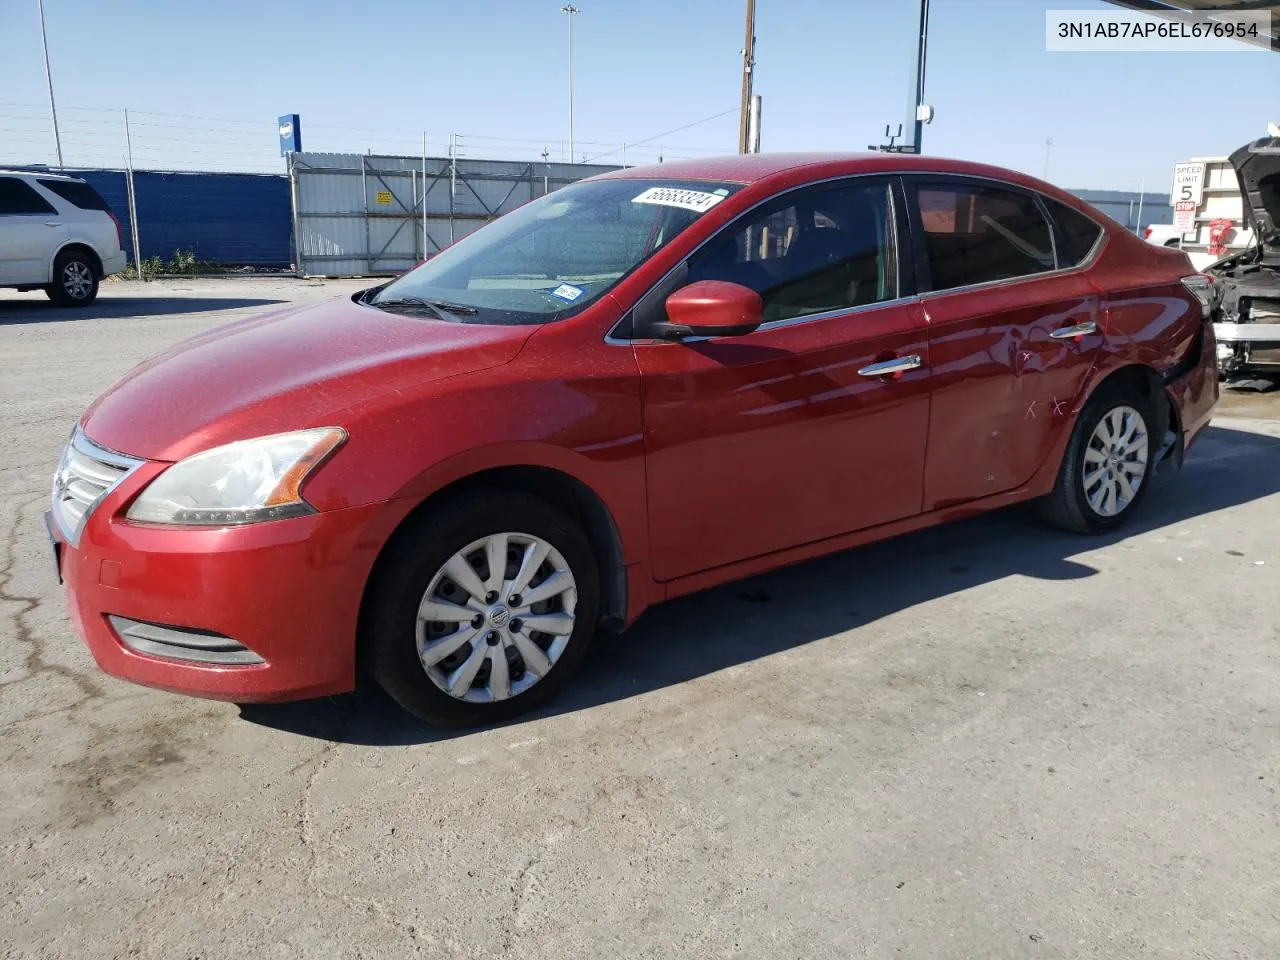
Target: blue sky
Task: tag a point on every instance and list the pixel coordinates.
(832, 73)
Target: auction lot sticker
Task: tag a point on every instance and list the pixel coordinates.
(567, 291)
(695, 200)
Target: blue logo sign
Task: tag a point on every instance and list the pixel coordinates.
(290, 134)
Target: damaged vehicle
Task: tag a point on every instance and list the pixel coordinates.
(641, 385)
(1247, 316)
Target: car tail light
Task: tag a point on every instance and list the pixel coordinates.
(1202, 287)
(119, 228)
(1146, 234)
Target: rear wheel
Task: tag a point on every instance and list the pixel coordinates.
(1107, 466)
(482, 610)
(75, 280)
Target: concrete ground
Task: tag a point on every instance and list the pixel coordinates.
(989, 740)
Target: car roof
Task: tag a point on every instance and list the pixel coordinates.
(42, 174)
(752, 167)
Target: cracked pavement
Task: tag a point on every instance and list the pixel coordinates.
(986, 740)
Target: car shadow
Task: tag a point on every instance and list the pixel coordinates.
(40, 310)
(734, 624)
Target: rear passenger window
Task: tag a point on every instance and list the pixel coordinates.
(80, 194)
(18, 198)
(1076, 233)
(978, 234)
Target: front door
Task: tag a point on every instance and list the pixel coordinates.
(30, 232)
(801, 430)
(1013, 332)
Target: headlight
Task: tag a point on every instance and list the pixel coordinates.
(243, 482)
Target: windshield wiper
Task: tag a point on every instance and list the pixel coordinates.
(404, 302)
(439, 307)
(461, 309)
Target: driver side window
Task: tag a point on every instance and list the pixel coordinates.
(812, 251)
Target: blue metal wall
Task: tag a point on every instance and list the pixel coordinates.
(224, 218)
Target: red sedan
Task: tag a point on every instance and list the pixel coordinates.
(638, 386)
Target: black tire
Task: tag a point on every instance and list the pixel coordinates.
(75, 280)
(1068, 506)
(388, 637)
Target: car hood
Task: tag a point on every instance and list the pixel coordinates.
(300, 366)
(1257, 166)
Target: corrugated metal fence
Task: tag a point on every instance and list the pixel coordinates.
(363, 215)
(366, 215)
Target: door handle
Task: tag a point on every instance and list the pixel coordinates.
(887, 367)
(1078, 330)
(52, 223)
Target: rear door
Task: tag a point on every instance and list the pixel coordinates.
(87, 215)
(31, 231)
(1014, 327)
(789, 435)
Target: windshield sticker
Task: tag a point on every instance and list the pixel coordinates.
(567, 291)
(695, 200)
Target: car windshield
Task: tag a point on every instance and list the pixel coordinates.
(555, 255)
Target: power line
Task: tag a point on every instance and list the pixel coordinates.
(667, 133)
(181, 140)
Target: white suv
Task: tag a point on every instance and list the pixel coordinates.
(58, 235)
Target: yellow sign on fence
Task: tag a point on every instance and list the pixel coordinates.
(382, 198)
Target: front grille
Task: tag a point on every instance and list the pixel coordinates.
(173, 643)
(86, 474)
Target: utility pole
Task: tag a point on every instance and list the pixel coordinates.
(748, 65)
(569, 9)
(1048, 145)
(48, 74)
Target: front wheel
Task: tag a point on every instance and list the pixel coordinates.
(75, 281)
(481, 609)
(1107, 466)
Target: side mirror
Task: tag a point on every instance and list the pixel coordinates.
(711, 308)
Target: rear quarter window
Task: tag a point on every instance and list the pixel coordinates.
(18, 198)
(80, 194)
(1077, 234)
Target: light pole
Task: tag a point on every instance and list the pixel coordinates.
(569, 9)
(1048, 145)
(57, 138)
(920, 112)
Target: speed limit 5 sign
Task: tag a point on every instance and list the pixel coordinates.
(1188, 183)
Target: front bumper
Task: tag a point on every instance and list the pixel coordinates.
(1247, 332)
(287, 592)
(1248, 347)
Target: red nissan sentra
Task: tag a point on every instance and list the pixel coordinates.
(638, 386)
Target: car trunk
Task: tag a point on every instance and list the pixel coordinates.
(1247, 318)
